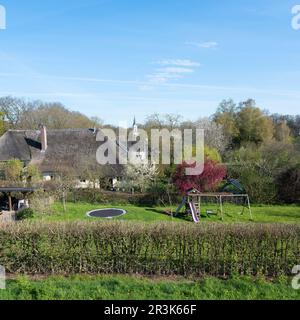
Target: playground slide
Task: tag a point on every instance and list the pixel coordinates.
(194, 212)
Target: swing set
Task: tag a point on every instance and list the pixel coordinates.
(193, 201)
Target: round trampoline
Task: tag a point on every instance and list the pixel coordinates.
(106, 213)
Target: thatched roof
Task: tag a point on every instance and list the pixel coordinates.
(67, 148)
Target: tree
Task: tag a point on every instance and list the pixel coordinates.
(139, 176)
(13, 109)
(254, 125)
(278, 157)
(166, 121)
(13, 171)
(19, 114)
(65, 180)
(212, 154)
(226, 117)
(2, 123)
(209, 180)
(282, 132)
(55, 116)
(214, 134)
(249, 103)
(258, 167)
(172, 121)
(32, 174)
(293, 122)
(98, 122)
(154, 121)
(259, 186)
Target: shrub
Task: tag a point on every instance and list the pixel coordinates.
(163, 193)
(108, 197)
(158, 249)
(289, 185)
(208, 180)
(261, 188)
(25, 214)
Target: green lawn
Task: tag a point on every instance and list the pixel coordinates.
(138, 288)
(262, 214)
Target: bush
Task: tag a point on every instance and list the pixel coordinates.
(117, 198)
(209, 180)
(289, 185)
(163, 193)
(158, 249)
(260, 187)
(25, 214)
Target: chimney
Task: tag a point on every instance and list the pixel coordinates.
(44, 138)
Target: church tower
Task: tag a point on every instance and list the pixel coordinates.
(143, 153)
(135, 128)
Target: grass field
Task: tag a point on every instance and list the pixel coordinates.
(138, 288)
(120, 287)
(262, 214)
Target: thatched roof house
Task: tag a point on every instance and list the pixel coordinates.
(53, 150)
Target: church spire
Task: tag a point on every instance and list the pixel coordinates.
(135, 128)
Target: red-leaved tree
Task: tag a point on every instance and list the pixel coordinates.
(208, 181)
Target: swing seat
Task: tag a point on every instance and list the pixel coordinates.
(211, 213)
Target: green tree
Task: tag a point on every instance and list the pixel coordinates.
(282, 132)
(212, 154)
(258, 167)
(13, 170)
(226, 116)
(33, 174)
(2, 123)
(254, 125)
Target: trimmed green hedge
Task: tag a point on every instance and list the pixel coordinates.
(107, 197)
(164, 249)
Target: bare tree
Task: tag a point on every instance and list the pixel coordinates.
(158, 121)
(13, 109)
(20, 114)
(65, 181)
(55, 116)
(214, 134)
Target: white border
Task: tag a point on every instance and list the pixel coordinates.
(122, 214)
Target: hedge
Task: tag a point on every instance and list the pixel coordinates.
(107, 197)
(159, 249)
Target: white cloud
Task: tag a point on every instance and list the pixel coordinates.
(163, 77)
(179, 63)
(204, 45)
(176, 70)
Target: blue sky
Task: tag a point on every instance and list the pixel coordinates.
(119, 58)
